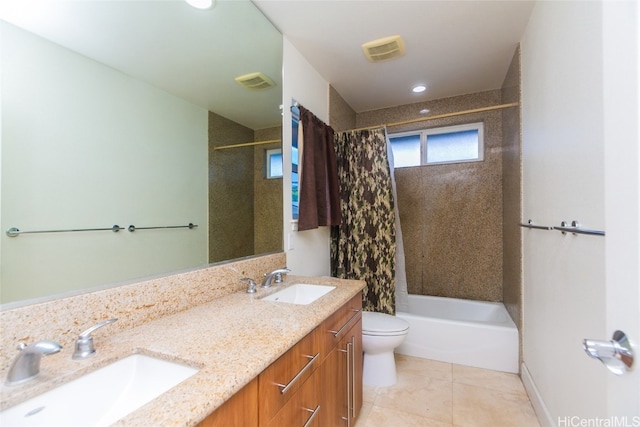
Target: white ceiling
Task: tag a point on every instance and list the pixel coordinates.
(454, 47)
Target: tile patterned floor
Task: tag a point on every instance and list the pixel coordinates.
(438, 394)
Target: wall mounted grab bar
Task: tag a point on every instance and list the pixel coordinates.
(15, 232)
(565, 228)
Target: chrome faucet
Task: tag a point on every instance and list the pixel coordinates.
(277, 274)
(84, 343)
(26, 365)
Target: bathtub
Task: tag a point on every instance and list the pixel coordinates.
(465, 332)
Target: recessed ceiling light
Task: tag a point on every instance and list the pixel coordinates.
(419, 88)
(201, 4)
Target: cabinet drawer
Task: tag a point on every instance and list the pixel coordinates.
(303, 409)
(335, 326)
(280, 381)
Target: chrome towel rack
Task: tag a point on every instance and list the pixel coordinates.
(565, 228)
(530, 224)
(15, 232)
(133, 228)
(575, 229)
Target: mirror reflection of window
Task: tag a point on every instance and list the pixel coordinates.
(273, 163)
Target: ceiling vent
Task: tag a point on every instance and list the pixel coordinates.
(255, 81)
(384, 49)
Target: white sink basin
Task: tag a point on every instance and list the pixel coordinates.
(301, 293)
(101, 397)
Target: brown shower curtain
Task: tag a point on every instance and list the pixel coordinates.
(319, 194)
(363, 246)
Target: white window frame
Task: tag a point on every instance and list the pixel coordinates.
(424, 133)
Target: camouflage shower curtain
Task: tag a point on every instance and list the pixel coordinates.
(363, 246)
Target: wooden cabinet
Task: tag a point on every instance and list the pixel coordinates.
(241, 410)
(341, 370)
(318, 382)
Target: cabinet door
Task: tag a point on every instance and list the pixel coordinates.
(342, 380)
(334, 388)
(241, 410)
(356, 336)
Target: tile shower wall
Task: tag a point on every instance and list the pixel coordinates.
(341, 115)
(460, 221)
(451, 214)
(512, 194)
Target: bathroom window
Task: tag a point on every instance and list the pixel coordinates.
(274, 163)
(406, 149)
(450, 144)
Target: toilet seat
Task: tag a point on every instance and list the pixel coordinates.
(381, 324)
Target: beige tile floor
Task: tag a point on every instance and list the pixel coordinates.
(438, 394)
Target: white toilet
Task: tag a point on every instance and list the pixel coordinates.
(381, 334)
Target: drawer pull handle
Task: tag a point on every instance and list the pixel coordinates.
(285, 388)
(353, 377)
(313, 415)
(338, 332)
(351, 380)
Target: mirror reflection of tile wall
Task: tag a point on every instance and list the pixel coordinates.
(268, 197)
(231, 209)
(245, 208)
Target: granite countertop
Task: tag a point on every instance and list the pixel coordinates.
(231, 340)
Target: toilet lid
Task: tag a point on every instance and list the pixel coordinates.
(381, 323)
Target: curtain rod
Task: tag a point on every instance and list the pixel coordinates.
(405, 122)
(247, 144)
(440, 116)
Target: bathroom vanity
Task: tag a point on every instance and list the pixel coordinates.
(318, 382)
(241, 345)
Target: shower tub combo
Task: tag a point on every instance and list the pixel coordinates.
(464, 332)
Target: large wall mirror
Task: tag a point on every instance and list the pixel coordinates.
(128, 113)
